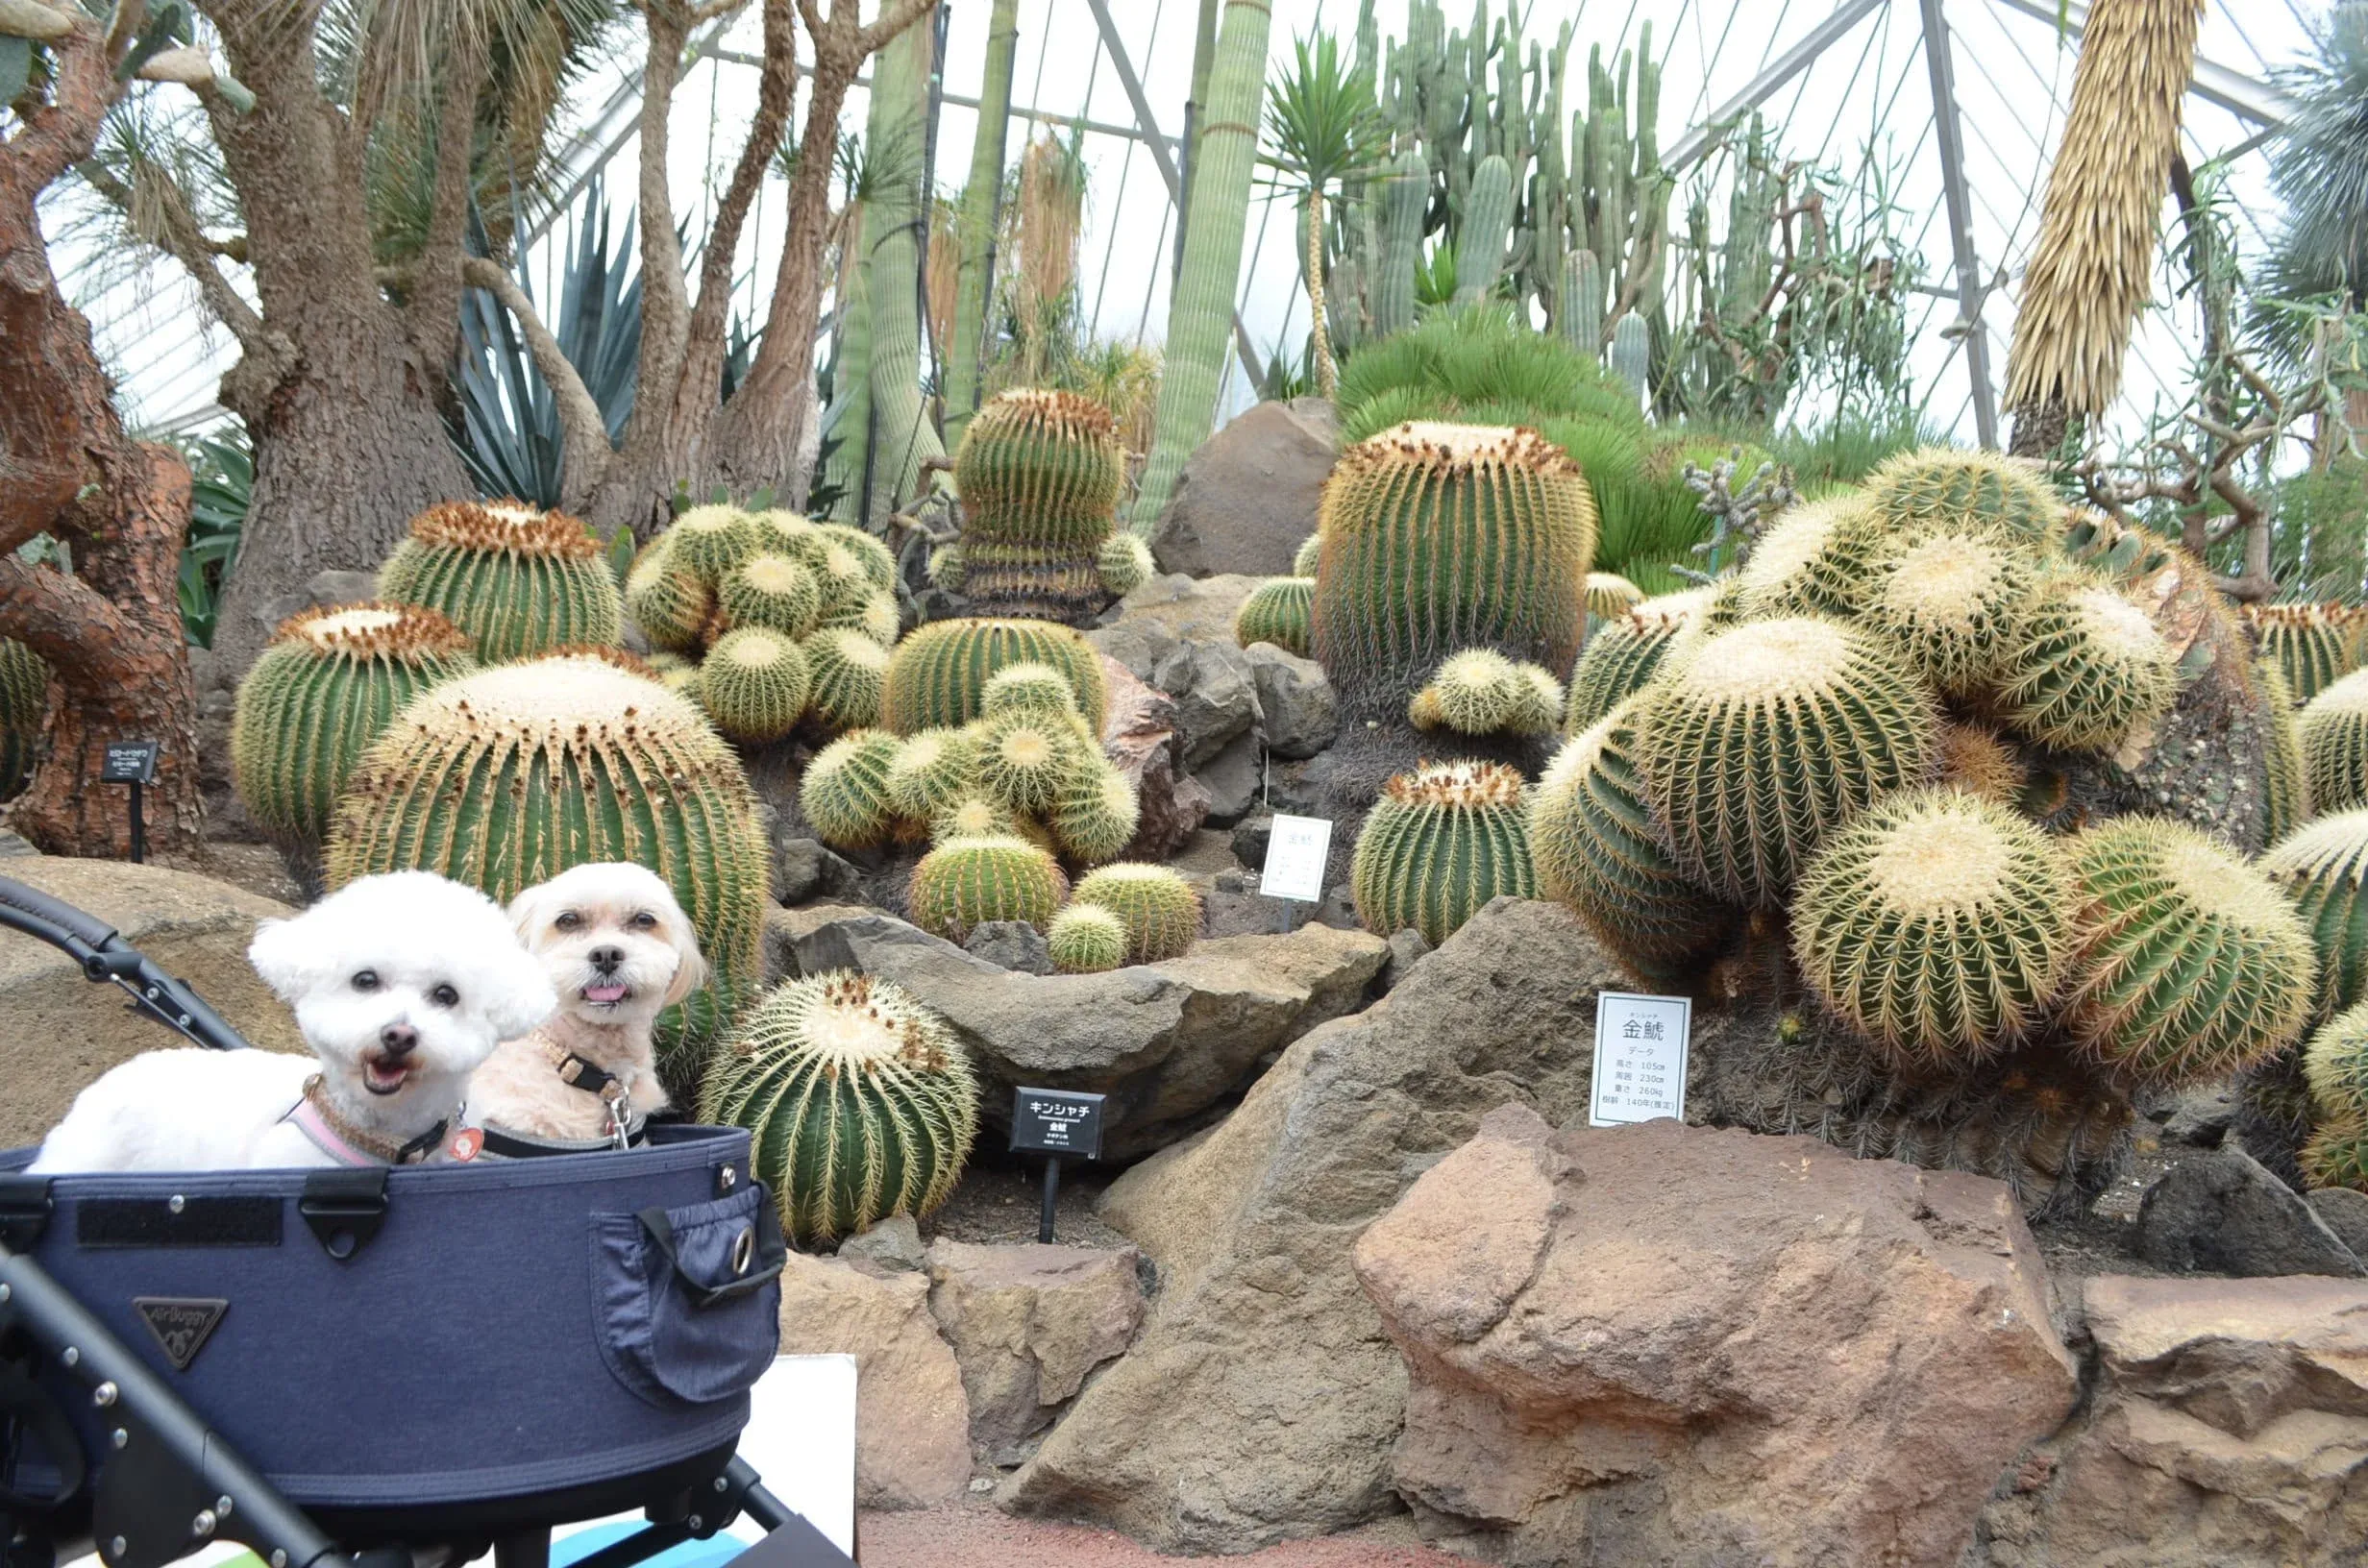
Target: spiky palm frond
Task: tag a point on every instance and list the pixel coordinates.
(1324, 123)
(2318, 166)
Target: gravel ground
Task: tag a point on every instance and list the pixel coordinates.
(973, 1535)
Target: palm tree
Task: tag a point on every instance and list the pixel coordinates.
(1325, 127)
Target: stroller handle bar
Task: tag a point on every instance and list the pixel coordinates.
(106, 959)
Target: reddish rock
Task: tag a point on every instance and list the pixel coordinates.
(912, 1420)
(1138, 735)
(1671, 1345)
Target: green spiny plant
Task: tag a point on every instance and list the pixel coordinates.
(1953, 603)
(669, 602)
(2338, 1155)
(1814, 560)
(1159, 909)
(932, 772)
(845, 792)
(516, 580)
(507, 777)
(975, 817)
(1623, 655)
(1029, 759)
(1280, 610)
(2287, 803)
(1040, 473)
(774, 592)
(1937, 924)
(2335, 1065)
(850, 673)
(1086, 939)
(1096, 816)
(1476, 691)
(2088, 670)
(2314, 645)
(858, 1100)
(938, 675)
(2188, 962)
(2323, 867)
(1439, 842)
(949, 568)
(713, 539)
(24, 703)
(1126, 563)
(1611, 595)
(964, 883)
(1308, 556)
(1775, 734)
(1028, 687)
(873, 613)
(753, 684)
(326, 688)
(1977, 760)
(1595, 849)
(2334, 732)
(1948, 487)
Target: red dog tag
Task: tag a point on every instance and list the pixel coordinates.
(466, 1144)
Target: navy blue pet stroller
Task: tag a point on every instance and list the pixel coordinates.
(374, 1368)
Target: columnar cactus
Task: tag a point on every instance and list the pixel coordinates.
(321, 693)
(1158, 909)
(2334, 732)
(1488, 223)
(964, 883)
(2323, 867)
(518, 581)
(938, 675)
(1040, 474)
(2314, 645)
(1441, 843)
(753, 685)
(24, 703)
(860, 1101)
(508, 776)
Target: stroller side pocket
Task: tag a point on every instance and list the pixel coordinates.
(686, 1301)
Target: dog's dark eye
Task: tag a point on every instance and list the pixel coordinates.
(568, 920)
(444, 996)
(366, 980)
(643, 920)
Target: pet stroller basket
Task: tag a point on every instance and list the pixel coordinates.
(450, 1356)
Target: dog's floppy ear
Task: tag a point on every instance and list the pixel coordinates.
(527, 914)
(691, 965)
(287, 957)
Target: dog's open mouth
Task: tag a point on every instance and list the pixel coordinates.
(381, 1076)
(607, 993)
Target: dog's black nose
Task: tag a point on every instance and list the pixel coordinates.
(398, 1038)
(605, 959)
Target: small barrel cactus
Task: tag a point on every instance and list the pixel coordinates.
(711, 540)
(964, 883)
(975, 817)
(1439, 842)
(2314, 645)
(931, 773)
(1623, 655)
(938, 676)
(858, 1100)
(2088, 670)
(1937, 924)
(1086, 939)
(1280, 610)
(2335, 1065)
(1953, 602)
(753, 685)
(850, 674)
(24, 703)
(845, 793)
(2189, 963)
(2334, 732)
(949, 568)
(2323, 867)
(321, 693)
(1814, 560)
(1609, 595)
(1096, 816)
(872, 612)
(1942, 487)
(1304, 559)
(518, 581)
(1029, 760)
(1776, 733)
(1126, 563)
(1028, 687)
(671, 603)
(848, 563)
(1159, 909)
(771, 591)
(2338, 1155)
(1979, 761)
(1480, 692)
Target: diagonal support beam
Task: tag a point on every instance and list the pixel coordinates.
(1160, 155)
(1950, 134)
(2246, 97)
(1691, 147)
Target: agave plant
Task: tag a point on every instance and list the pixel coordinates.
(222, 482)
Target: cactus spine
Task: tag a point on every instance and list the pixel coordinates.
(859, 1102)
(2334, 732)
(2314, 645)
(753, 685)
(1086, 939)
(516, 580)
(1157, 909)
(1441, 843)
(1280, 610)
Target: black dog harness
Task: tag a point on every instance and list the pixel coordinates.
(628, 1127)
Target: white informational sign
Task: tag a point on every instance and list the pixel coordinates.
(1295, 859)
(1639, 1058)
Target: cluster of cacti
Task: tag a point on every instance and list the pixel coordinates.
(2314, 645)
(1040, 474)
(1439, 844)
(1280, 610)
(516, 580)
(24, 703)
(1156, 909)
(1856, 760)
(507, 777)
(1480, 692)
(859, 1102)
(325, 688)
(767, 607)
(1028, 764)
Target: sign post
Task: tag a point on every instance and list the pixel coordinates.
(1055, 1122)
(132, 762)
(1640, 1046)
(1295, 853)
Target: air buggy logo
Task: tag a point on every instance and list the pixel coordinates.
(180, 1324)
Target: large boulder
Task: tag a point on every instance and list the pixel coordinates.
(1248, 495)
(2227, 1426)
(1298, 712)
(2225, 1213)
(1028, 1322)
(1216, 699)
(62, 1031)
(1165, 1041)
(1174, 609)
(912, 1419)
(1263, 1399)
(1689, 1347)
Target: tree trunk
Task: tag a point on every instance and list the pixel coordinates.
(111, 631)
(2041, 429)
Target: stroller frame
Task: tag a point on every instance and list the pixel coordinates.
(169, 1484)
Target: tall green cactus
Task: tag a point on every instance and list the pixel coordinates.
(1488, 223)
(976, 224)
(902, 436)
(1391, 277)
(1579, 309)
(1632, 354)
(1200, 311)
(1040, 473)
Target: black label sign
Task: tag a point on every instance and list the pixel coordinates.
(130, 761)
(1056, 1121)
(181, 1325)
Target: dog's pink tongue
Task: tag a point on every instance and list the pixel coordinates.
(604, 993)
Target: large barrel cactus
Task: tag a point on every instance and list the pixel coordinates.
(2322, 868)
(519, 581)
(508, 776)
(858, 1100)
(2334, 733)
(24, 703)
(1441, 843)
(326, 688)
(937, 678)
(2314, 645)
(1040, 474)
(1443, 537)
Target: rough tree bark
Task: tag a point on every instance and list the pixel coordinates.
(111, 629)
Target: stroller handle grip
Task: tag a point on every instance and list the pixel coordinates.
(105, 958)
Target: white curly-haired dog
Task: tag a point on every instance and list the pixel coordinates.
(618, 948)
(401, 985)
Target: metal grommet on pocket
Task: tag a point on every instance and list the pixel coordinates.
(727, 1178)
(743, 1251)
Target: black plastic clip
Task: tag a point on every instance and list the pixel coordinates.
(345, 1209)
(25, 1207)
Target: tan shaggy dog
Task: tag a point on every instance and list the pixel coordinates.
(617, 948)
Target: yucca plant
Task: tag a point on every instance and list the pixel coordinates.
(1324, 132)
